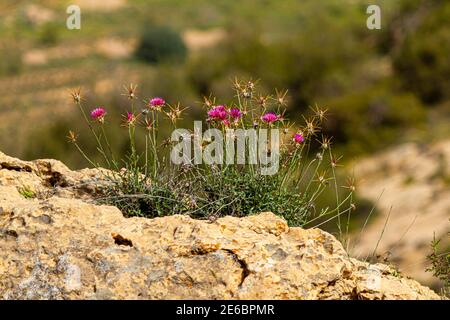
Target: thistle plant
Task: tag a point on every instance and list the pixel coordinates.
(440, 264)
(146, 183)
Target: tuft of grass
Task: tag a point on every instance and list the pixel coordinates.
(145, 183)
(27, 192)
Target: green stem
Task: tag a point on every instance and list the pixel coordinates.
(85, 156)
(110, 149)
(101, 150)
(336, 194)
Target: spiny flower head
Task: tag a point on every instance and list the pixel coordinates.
(244, 89)
(287, 126)
(322, 177)
(262, 100)
(177, 110)
(156, 102)
(172, 115)
(218, 113)
(76, 95)
(298, 138)
(281, 98)
(311, 127)
(208, 101)
(130, 91)
(325, 143)
(321, 114)
(269, 117)
(351, 185)
(130, 118)
(334, 161)
(72, 137)
(251, 85)
(237, 85)
(148, 125)
(98, 114)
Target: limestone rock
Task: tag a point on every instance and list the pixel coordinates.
(62, 246)
(52, 177)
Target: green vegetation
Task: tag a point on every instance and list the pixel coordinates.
(161, 44)
(376, 116)
(440, 265)
(49, 34)
(10, 61)
(27, 192)
(422, 58)
(146, 183)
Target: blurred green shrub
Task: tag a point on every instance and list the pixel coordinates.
(299, 59)
(10, 60)
(374, 117)
(49, 33)
(161, 44)
(422, 61)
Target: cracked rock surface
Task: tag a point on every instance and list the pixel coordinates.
(59, 245)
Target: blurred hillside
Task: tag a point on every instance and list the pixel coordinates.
(381, 86)
(412, 185)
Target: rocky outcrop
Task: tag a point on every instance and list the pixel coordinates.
(58, 244)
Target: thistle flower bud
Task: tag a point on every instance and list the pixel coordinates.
(262, 100)
(325, 143)
(71, 136)
(281, 98)
(130, 91)
(76, 95)
(246, 94)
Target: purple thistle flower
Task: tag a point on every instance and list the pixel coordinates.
(98, 114)
(269, 117)
(157, 102)
(298, 138)
(218, 113)
(130, 116)
(226, 122)
(235, 113)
